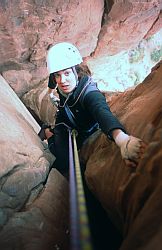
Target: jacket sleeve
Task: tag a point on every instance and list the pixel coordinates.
(97, 106)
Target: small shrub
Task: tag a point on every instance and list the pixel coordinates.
(134, 76)
(156, 55)
(136, 55)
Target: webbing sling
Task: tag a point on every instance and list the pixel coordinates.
(70, 116)
(80, 232)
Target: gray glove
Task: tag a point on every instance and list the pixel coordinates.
(54, 100)
(130, 146)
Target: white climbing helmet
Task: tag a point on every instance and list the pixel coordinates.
(62, 56)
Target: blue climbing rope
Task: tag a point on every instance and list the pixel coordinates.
(80, 232)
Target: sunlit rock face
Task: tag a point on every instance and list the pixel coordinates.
(33, 214)
(98, 28)
(132, 197)
(127, 68)
(126, 24)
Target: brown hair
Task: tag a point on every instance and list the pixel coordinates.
(82, 70)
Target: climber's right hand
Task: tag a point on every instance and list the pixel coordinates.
(131, 148)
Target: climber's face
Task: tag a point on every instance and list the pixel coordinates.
(66, 80)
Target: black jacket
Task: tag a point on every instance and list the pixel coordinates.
(89, 108)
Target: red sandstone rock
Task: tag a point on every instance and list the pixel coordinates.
(28, 28)
(132, 197)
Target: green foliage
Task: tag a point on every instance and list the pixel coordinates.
(148, 39)
(134, 76)
(136, 55)
(156, 55)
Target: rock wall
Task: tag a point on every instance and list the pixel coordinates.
(127, 23)
(98, 28)
(132, 197)
(33, 214)
(38, 102)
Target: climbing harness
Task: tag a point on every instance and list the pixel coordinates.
(80, 232)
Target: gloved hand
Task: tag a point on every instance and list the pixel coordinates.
(131, 147)
(54, 100)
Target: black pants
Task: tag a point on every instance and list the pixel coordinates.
(59, 146)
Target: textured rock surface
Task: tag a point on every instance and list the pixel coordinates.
(132, 197)
(38, 24)
(99, 28)
(33, 214)
(42, 224)
(39, 102)
(126, 24)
